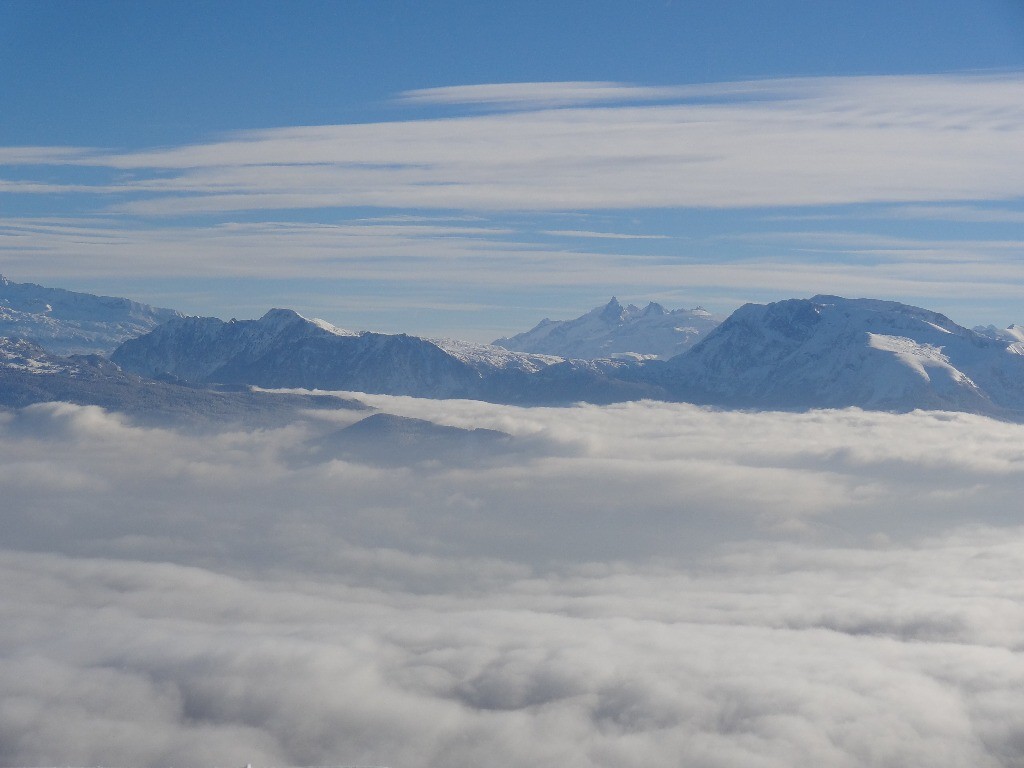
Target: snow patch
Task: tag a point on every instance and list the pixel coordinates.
(918, 356)
(325, 326)
(492, 358)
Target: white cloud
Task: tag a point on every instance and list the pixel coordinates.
(26, 155)
(503, 182)
(638, 585)
(437, 256)
(541, 95)
(602, 235)
(772, 143)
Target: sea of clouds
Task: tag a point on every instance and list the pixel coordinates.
(646, 584)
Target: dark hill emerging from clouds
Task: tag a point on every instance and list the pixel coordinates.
(390, 440)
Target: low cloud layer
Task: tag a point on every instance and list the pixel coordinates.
(635, 585)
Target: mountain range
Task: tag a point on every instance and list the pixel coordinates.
(285, 350)
(822, 352)
(70, 323)
(29, 375)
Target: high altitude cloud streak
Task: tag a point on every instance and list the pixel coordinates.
(777, 143)
(541, 95)
(540, 199)
(635, 585)
(481, 258)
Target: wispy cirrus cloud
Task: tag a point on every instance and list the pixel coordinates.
(589, 234)
(883, 152)
(772, 143)
(27, 155)
(478, 253)
(964, 213)
(542, 95)
(465, 280)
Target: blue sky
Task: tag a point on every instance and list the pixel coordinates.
(467, 168)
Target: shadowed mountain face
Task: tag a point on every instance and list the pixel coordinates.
(617, 331)
(389, 440)
(830, 352)
(283, 349)
(65, 322)
(29, 375)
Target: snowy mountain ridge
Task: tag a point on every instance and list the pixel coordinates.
(1012, 332)
(22, 355)
(614, 331)
(488, 357)
(797, 354)
(30, 375)
(831, 352)
(65, 322)
(284, 349)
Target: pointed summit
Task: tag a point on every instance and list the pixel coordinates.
(612, 311)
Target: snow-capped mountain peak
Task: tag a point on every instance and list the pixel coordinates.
(828, 351)
(1012, 333)
(615, 331)
(284, 349)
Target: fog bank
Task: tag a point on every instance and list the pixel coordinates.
(635, 585)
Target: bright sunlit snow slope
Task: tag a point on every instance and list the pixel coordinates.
(833, 352)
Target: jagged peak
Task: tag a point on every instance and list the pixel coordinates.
(612, 310)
